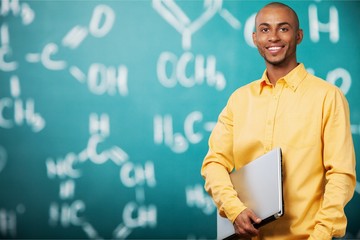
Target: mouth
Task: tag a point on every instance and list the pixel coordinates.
(274, 49)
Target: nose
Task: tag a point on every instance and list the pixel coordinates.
(273, 36)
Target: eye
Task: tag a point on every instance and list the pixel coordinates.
(284, 29)
(264, 30)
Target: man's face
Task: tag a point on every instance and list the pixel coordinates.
(277, 35)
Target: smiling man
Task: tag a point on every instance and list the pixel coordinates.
(304, 115)
(276, 37)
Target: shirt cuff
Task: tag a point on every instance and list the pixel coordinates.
(234, 210)
(320, 233)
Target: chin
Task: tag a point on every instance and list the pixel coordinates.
(275, 62)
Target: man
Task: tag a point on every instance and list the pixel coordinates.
(305, 116)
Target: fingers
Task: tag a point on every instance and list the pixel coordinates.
(244, 224)
(253, 217)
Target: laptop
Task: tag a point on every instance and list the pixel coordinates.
(259, 186)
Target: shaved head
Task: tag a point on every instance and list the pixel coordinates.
(281, 5)
(277, 34)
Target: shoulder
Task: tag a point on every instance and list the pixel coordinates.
(320, 85)
(252, 87)
(322, 91)
(243, 94)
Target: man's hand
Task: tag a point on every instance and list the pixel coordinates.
(244, 224)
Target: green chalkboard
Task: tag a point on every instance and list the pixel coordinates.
(106, 108)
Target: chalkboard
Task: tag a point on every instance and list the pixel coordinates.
(106, 108)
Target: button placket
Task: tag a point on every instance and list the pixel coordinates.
(272, 111)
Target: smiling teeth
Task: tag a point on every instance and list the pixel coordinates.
(274, 48)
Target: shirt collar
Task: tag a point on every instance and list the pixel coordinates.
(292, 79)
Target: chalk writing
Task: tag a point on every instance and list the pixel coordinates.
(175, 16)
(197, 197)
(133, 61)
(15, 111)
(204, 71)
(3, 158)
(316, 26)
(131, 175)
(176, 141)
(8, 220)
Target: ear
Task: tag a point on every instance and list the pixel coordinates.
(299, 36)
(254, 38)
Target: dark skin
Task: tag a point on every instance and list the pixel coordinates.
(276, 37)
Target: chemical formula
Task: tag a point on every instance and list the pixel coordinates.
(118, 94)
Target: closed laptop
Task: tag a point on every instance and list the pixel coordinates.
(259, 187)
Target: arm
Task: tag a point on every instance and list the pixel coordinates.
(217, 165)
(339, 164)
(215, 169)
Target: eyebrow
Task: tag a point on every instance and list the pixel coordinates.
(279, 24)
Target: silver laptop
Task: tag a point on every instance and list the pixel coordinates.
(259, 187)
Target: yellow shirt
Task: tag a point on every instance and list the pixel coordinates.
(309, 119)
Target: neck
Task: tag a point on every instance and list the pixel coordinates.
(275, 72)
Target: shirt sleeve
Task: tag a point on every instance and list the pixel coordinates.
(339, 164)
(217, 165)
